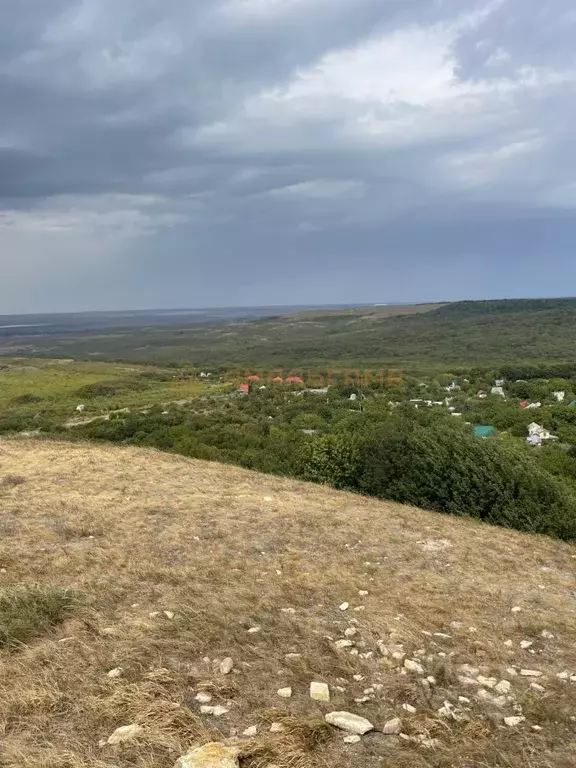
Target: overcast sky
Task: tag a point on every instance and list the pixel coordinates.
(229, 152)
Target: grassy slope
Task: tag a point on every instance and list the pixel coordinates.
(139, 532)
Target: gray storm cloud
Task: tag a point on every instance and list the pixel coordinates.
(284, 151)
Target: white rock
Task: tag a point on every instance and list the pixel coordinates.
(277, 728)
(353, 738)
(530, 673)
(524, 644)
(511, 671)
(562, 675)
(285, 693)
(351, 632)
(573, 678)
(288, 610)
(344, 643)
(251, 731)
(319, 691)
(292, 656)
(398, 655)
(358, 678)
(347, 721)
(212, 755)
(254, 630)
(169, 614)
(362, 700)
(508, 643)
(516, 609)
(409, 708)
(536, 727)
(115, 672)
(344, 606)
(363, 592)
(547, 635)
(431, 679)
(125, 733)
(463, 700)
(413, 666)
(392, 727)
(537, 687)
(226, 666)
(503, 686)
(487, 682)
(217, 710)
(203, 697)
(514, 720)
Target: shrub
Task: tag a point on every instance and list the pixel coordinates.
(446, 469)
(25, 398)
(332, 460)
(27, 611)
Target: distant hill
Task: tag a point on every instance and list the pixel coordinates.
(468, 332)
(128, 577)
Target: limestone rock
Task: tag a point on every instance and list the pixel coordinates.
(344, 643)
(203, 697)
(251, 731)
(285, 693)
(226, 666)
(277, 728)
(125, 733)
(413, 666)
(347, 721)
(117, 672)
(393, 727)
(514, 720)
(344, 606)
(409, 708)
(503, 687)
(530, 673)
(212, 755)
(352, 739)
(319, 691)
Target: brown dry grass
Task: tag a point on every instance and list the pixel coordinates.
(138, 532)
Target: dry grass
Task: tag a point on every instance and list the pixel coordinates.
(139, 532)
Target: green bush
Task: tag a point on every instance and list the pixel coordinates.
(331, 460)
(27, 611)
(446, 469)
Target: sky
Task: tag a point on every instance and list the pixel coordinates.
(260, 152)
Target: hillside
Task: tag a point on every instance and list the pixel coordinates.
(461, 333)
(177, 565)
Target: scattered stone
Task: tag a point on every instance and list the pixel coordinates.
(398, 655)
(409, 708)
(547, 635)
(463, 700)
(456, 625)
(487, 682)
(285, 693)
(169, 614)
(217, 711)
(277, 728)
(511, 671)
(288, 610)
(360, 608)
(347, 721)
(537, 687)
(352, 739)
(154, 614)
(562, 675)
(344, 643)
(203, 697)
(530, 673)
(292, 656)
(319, 691)
(226, 666)
(503, 686)
(344, 606)
(442, 635)
(514, 720)
(358, 678)
(212, 755)
(431, 679)
(516, 609)
(254, 630)
(508, 643)
(363, 592)
(536, 727)
(108, 631)
(393, 727)
(362, 700)
(351, 632)
(125, 733)
(251, 731)
(524, 644)
(413, 666)
(115, 672)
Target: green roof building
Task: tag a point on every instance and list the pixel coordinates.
(484, 432)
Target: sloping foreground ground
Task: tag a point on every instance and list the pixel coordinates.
(177, 560)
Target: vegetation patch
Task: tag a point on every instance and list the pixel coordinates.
(29, 611)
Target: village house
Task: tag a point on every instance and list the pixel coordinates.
(538, 434)
(498, 390)
(559, 396)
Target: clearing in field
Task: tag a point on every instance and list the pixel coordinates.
(195, 603)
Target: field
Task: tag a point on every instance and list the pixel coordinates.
(50, 390)
(170, 562)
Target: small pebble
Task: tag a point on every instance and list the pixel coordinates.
(353, 738)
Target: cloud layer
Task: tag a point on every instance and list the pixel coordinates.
(229, 152)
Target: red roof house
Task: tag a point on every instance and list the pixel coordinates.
(244, 388)
(253, 378)
(277, 380)
(295, 380)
